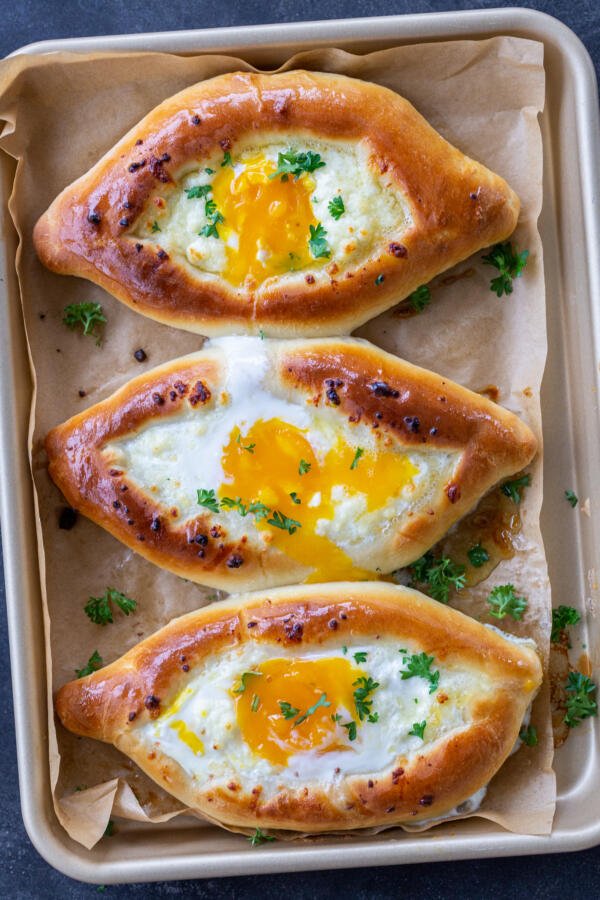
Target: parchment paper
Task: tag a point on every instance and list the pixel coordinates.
(61, 112)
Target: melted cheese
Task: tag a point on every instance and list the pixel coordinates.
(257, 447)
(261, 224)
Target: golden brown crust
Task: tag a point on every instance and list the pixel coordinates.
(416, 407)
(457, 205)
(113, 704)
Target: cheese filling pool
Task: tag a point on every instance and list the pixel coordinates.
(301, 478)
(314, 717)
(241, 217)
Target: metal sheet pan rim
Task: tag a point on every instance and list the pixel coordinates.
(16, 498)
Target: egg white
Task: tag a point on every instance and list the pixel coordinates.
(207, 708)
(172, 458)
(374, 207)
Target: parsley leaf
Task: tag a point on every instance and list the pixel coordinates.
(259, 837)
(278, 520)
(99, 609)
(230, 503)
(304, 467)
(336, 207)
(438, 575)
(226, 159)
(350, 728)
(258, 510)
(208, 499)
(255, 703)
(420, 298)
(295, 498)
(199, 190)
(419, 666)
(572, 498)
(478, 555)
(94, 663)
(581, 704)
(510, 265)
(209, 171)
(155, 227)
(88, 315)
(561, 617)
(317, 244)
(357, 456)
(360, 657)
(364, 687)
(504, 602)
(418, 729)
(287, 710)
(322, 701)
(248, 447)
(514, 488)
(292, 163)
(261, 334)
(243, 681)
(529, 735)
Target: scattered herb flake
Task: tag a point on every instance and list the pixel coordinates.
(304, 467)
(561, 618)
(295, 498)
(226, 159)
(514, 488)
(419, 666)
(249, 447)
(360, 656)
(418, 729)
(363, 703)
(94, 663)
(510, 265)
(208, 499)
(243, 681)
(88, 315)
(209, 171)
(572, 498)
(99, 609)
(198, 191)
(437, 576)
(420, 298)
(259, 837)
(155, 227)
(350, 728)
(581, 704)
(478, 555)
(293, 163)
(503, 601)
(279, 520)
(287, 710)
(357, 456)
(317, 243)
(322, 701)
(255, 703)
(336, 207)
(528, 734)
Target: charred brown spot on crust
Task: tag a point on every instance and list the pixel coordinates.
(138, 247)
(162, 254)
(131, 716)
(225, 144)
(152, 704)
(234, 562)
(180, 387)
(453, 493)
(333, 396)
(293, 630)
(397, 775)
(200, 394)
(382, 389)
(370, 783)
(309, 279)
(173, 395)
(158, 399)
(155, 526)
(124, 222)
(140, 355)
(426, 800)
(412, 423)
(94, 217)
(138, 142)
(156, 167)
(391, 809)
(185, 667)
(196, 120)
(332, 624)
(398, 250)
(134, 166)
(252, 624)
(232, 786)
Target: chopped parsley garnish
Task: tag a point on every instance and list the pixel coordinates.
(94, 663)
(226, 159)
(360, 656)
(255, 703)
(322, 701)
(210, 208)
(243, 681)
(357, 456)
(344, 649)
(88, 315)
(317, 244)
(304, 467)
(572, 498)
(420, 298)
(580, 704)
(210, 230)
(478, 555)
(258, 510)
(510, 265)
(155, 227)
(503, 601)
(336, 207)
(418, 729)
(528, 734)
(209, 171)
(437, 576)
(350, 728)
(364, 687)
(513, 489)
(261, 334)
(292, 163)
(208, 499)
(287, 710)
(248, 447)
(380, 279)
(295, 498)
(561, 617)
(259, 837)
(99, 609)
(278, 520)
(199, 190)
(419, 666)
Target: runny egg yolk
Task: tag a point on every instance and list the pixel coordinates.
(267, 221)
(313, 693)
(270, 473)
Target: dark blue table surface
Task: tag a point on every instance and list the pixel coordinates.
(23, 873)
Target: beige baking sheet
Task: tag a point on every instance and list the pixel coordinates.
(62, 112)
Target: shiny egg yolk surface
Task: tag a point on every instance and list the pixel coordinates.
(289, 706)
(270, 218)
(273, 463)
